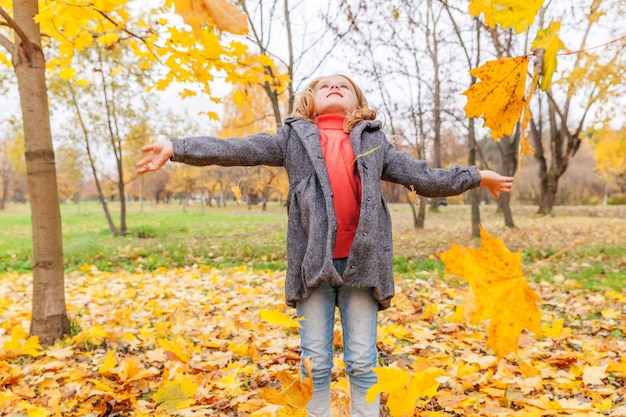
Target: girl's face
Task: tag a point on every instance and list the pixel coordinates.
(334, 95)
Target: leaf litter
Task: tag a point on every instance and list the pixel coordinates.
(204, 341)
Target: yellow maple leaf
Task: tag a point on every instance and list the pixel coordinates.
(499, 96)
(404, 388)
(108, 364)
(93, 335)
(502, 295)
(604, 405)
(178, 347)
(515, 14)
(34, 410)
(485, 7)
(556, 330)
(175, 395)
(224, 15)
(278, 317)
(294, 392)
(548, 40)
(17, 346)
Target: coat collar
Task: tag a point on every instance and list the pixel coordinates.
(310, 136)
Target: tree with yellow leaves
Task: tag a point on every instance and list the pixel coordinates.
(193, 53)
(572, 97)
(610, 155)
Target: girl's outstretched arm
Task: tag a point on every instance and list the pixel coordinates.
(160, 153)
(495, 182)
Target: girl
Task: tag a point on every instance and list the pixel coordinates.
(339, 229)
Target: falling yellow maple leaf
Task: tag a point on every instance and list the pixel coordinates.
(278, 317)
(515, 14)
(485, 7)
(222, 14)
(499, 95)
(548, 40)
(502, 295)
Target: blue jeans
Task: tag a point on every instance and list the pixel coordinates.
(358, 310)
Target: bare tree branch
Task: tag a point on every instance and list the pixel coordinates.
(6, 42)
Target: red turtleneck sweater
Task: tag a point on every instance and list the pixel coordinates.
(344, 179)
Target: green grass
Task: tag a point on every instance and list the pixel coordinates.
(172, 236)
(164, 236)
(595, 267)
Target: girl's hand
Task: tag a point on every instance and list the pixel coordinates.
(495, 182)
(161, 152)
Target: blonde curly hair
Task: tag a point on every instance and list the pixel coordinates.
(305, 105)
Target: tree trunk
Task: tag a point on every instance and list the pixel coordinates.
(420, 221)
(5, 191)
(509, 150)
(49, 316)
(549, 186)
(92, 162)
(474, 194)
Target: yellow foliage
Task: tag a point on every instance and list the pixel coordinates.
(502, 295)
(610, 153)
(499, 96)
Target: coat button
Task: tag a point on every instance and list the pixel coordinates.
(364, 233)
(352, 266)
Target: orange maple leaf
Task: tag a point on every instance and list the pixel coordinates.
(293, 394)
(222, 14)
(502, 295)
(499, 95)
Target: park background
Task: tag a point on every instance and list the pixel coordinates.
(166, 275)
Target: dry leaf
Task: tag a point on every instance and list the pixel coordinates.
(499, 96)
(502, 294)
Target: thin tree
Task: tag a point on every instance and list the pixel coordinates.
(594, 79)
(49, 316)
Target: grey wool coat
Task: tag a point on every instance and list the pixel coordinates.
(311, 220)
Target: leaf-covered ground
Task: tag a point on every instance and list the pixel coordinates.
(193, 341)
